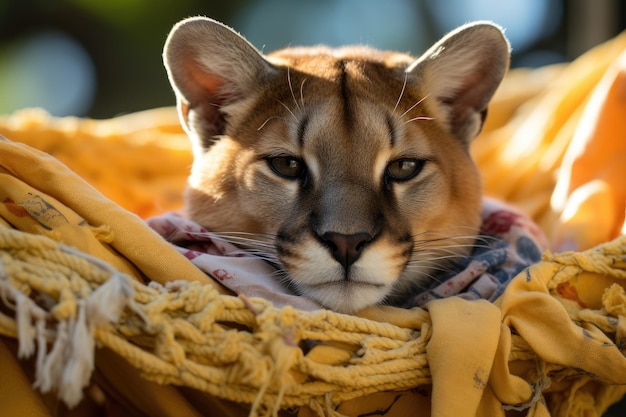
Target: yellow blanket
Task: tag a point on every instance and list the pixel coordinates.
(75, 266)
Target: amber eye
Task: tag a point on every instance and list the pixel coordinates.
(404, 169)
(287, 167)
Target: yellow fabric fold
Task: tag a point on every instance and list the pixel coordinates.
(460, 354)
(504, 386)
(17, 397)
(117, 156)
(40, 194)
(542, 321)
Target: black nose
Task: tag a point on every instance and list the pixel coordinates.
(346, 249)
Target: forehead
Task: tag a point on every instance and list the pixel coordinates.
(358, 126)
(372, 126)
(351, 71)
(323, 100)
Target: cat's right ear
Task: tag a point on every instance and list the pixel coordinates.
(210, 66)
(461, 73)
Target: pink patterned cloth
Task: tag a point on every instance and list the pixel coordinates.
(226, 263)
(509, 243)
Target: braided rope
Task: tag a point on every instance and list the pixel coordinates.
(227, 346)
(235, 348)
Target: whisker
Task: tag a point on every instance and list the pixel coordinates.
(233, 233)
(426, 258)
(450, 239)
(253, 246)
(440, 252)
(261, 257)
(487, 238)
(268, 119)
(433, 263)
(255, 254)
(424, 247)
(434, 268)
(447, 229)
(406, 76)
(419, 282)
(442, 247)
(434, 274)
(288, 109)
(243, 235)
(439, 235)
(415, 105)
(302, 92)
(281, 275)
(229, 234)
(291, 89)
(256, 251)
(418, 118)
(239, 239)
(431, 266)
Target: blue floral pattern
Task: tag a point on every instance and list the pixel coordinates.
(509, 243)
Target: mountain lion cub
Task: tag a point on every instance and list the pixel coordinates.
(347, 168)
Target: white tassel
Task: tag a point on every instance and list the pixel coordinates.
(50, 372)
(42, 347)
(25, 330)
(80, 361)
(107, 302)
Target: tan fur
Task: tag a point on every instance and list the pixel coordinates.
(347, 115)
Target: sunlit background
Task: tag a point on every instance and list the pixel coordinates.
(103, 58)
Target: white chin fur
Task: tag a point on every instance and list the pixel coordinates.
(321, 278)
(346, 297)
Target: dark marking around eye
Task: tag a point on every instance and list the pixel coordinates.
(304, 123)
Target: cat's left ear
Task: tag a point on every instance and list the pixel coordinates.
(210, 67)
(461, 72)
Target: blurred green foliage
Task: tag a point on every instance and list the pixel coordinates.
(124, 39)
(117, 44)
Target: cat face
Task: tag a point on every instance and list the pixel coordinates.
(349, 168)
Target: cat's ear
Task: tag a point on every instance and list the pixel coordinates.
(461, 72)
(210, 66)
